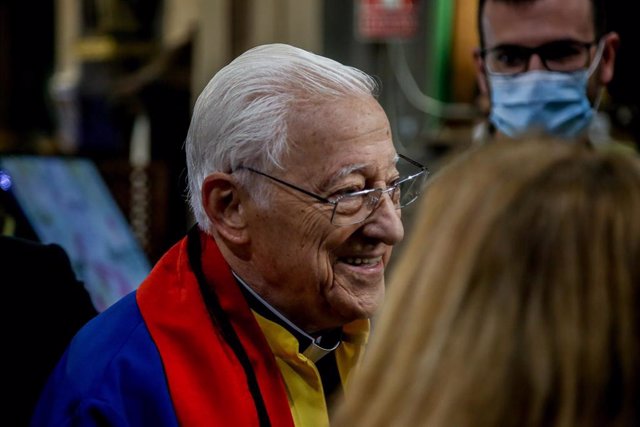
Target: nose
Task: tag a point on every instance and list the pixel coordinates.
(384, 223)
(535, 63)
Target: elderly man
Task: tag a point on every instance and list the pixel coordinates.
(261, 312)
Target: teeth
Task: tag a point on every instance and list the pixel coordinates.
(365, 261)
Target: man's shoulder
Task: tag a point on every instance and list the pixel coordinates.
(111, 372)
(30, 258)
(117, 332)
(39, 278)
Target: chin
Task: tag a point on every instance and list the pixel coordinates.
(364, 308)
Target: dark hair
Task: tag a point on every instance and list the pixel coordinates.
(597, 10)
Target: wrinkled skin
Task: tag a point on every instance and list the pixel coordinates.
(318, 274)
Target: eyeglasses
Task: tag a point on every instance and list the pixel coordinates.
(560, 55)
(355, 207)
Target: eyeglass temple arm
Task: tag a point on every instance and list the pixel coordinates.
(413, 162)
(308, 193)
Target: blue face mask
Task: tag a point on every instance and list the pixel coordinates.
(540, 101)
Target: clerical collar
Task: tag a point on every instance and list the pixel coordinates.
(314, 348)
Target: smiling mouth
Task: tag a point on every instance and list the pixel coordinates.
(361, 261)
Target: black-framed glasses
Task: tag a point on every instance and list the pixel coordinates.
(355, 207)
(559, 55)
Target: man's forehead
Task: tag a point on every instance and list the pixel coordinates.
(335, 117)
(384, 162)
(338, 172)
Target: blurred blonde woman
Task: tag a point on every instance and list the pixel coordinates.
(516, 303)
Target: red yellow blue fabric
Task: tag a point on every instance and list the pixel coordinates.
(156, 358)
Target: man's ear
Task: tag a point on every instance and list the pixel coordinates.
(222, 202)
(481, 75)
(607, 63)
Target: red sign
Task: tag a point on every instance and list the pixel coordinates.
(387, 19)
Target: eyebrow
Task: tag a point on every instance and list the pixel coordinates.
(519, 46)
(349, 169)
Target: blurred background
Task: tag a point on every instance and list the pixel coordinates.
(96, 96)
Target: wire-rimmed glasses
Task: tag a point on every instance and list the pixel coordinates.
(558, 55)
(355, 207)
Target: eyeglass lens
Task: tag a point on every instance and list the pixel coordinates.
(352, 209)
(563, 55)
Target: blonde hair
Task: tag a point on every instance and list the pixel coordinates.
(515, 303)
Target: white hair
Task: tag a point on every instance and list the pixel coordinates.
(240, 118)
